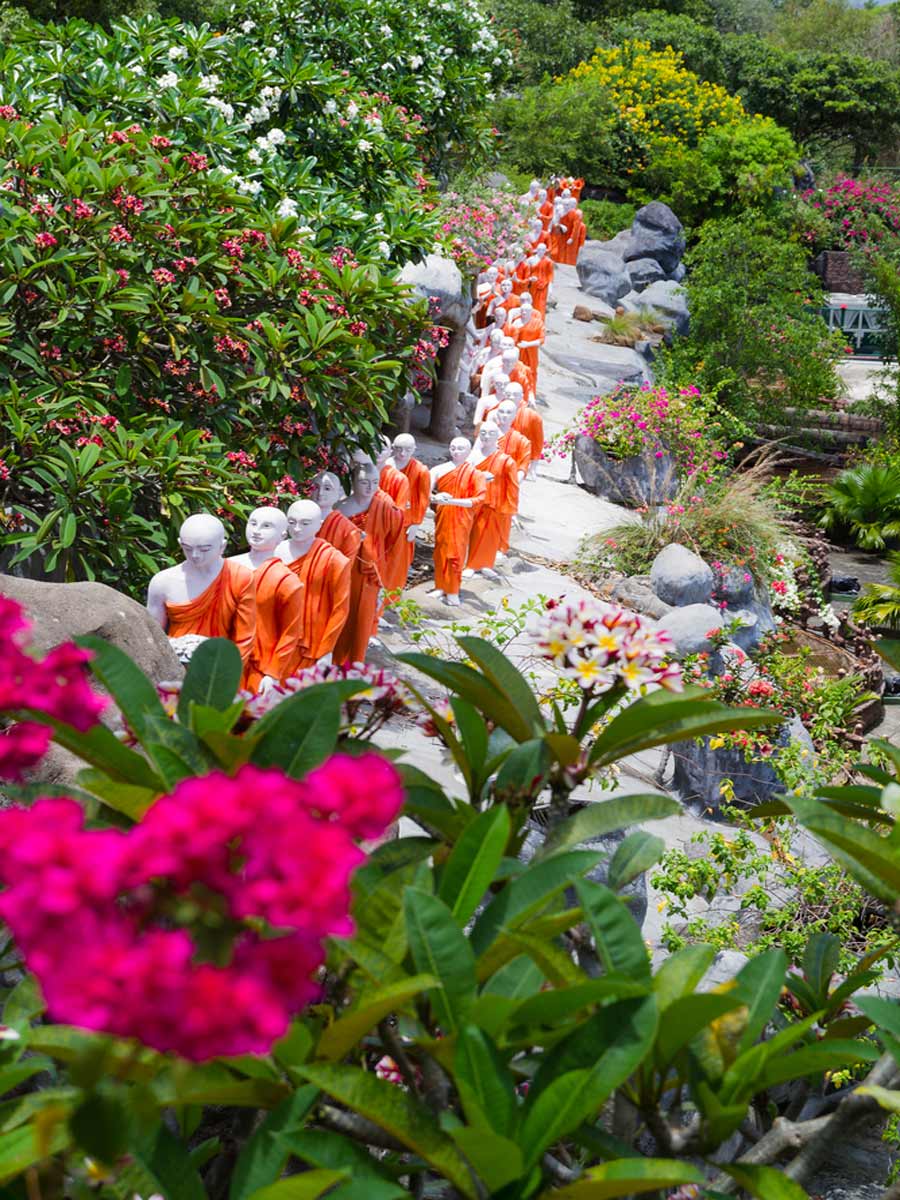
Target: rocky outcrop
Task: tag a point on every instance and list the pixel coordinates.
(658, 234)
(689, 627)
(643, 272)
(680, 577)
(636, 481)
(62, 611)
(602, 273)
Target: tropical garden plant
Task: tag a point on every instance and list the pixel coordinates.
(864, 502)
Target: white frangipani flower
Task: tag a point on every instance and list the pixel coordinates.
(168, 80)
(176, 52)
(286, 209)
(208, 83)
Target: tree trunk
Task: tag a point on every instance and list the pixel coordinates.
(446, 391)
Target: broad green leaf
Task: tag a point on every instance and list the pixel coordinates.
(759, 986)
(132, 691)
(68, 530)
(474, 688)
(308, 1186)
(121, 797)
(338, 1039)
(471, 867)
(212, 678)
(368, 1189)
(866, 856)
(681, 972)
(306, 735)
(23, 1004)
(101, 748)
(820, 961)
(100, 1126)
(166, 1159)
(428, 806)
(609, 816)
(523, 771)
(817, 1058)
(473, 734)
(635, 855)
(496, 1159)
(400, 1114)
(883, 1013)
(264, 1156)
(440, 948)
(616, 934)
(627, 1177)
(689, 1015)
(766, 1183)
(553, 1006)
(484, 1083)
(506, 678)
(24, 1147)
(529, 893)
(884, 1097)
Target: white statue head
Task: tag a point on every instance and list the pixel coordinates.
(491, 274)
(509, 358)
(501, 383)
(488, 437)
(514, 393)
(542, 195)
(534, 187)
(202, 540)
(404, 450)
(540, 249)
(304, 520)
(496, 337)
(365, 482)
(505, 414)
(460, 449)
(265, 528)
(526, 300)
(505, 287)
(384, 452)
(327, 490)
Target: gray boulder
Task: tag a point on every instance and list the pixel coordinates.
(688, 627)
(635, 592)
(440, 277)
(669, 300)
(636, 481)
(657, 233)
(602, 274)
(679, 273)
(735, 587)
(62, 611)
(680, 577)
(643, 272)
(620, 245)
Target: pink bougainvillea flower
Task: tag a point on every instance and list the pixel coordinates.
(258, 863)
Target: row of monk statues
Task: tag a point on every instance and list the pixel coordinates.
(314, 582)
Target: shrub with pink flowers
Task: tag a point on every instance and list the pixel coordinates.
(480, 229)
(652, 421)
(849, 214)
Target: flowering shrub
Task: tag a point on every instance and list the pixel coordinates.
(478, 230)
(161, 320)
(849, 213)
(198, 930)
(55, 686)
(379, 697)
(651, 421)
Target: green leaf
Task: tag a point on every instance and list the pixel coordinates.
(523, 771)
(528, 894)
(132, 691)
(23, 1004)
(627, 1177)
(338, 1039)
(264, 1156)
(24, 1147)
(308, 1186)
(866, 856)
(100, 1126)
(67, 531)
(440, 948)
(681, 972)
(609, 816)
(616, 934)
(759, 986)
(506, 678)
(304, 734)
(820, 961)
(635, 855)
(552, 1007)
(484, 1083)
(766, 1183)
(473, 734)
(398, 1114)
(815, 1059)
(474, 688)
(687, 1016)
(167, 1160)
(497, 1160)
(212, 678)
(471, 867)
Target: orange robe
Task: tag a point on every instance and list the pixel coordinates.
(279, 615)
(501, 500)
(227, 608)
(545, 212)
(325, 575)
(365, 583)
(521, 374)
(532, 332)
(419, 496)
(577, 233)
(518, 447)
(453, 525)
(341, 533)
(540, 276)
(528, 421)
(520, 279)
(575, 188)
(396, 485)
(383, 525)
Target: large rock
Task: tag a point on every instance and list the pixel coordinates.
(668, 299)
(657, 233)
(62, 611)
(602, 274)
(700, 771)
(635, 592)
(688, 627)
(680, 577)
(636, 481)
(643, 272)
(440, 277)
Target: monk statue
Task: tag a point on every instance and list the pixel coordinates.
(539, 273)
(279, 601)
(381, 523)
(325, 575)
(501, 499)
(504, 297)
(488, 401)
(404, 460)
(537, 232)
(576, 233)
(513, 365)
(395, 485)
(481, 357)
(484, 290)
(459, 490)
(528, 332)
(512, 442)
(494, 365)
(530, 424)
(205, 595)
(531, 195)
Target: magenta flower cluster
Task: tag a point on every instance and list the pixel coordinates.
(477, 234)
(199, 930)
(56, 686)
(648, 421)
(859, 212)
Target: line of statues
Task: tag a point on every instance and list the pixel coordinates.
(313, 583)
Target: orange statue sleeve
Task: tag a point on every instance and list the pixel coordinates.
(290, 612)
(339, 588)
(243, 623)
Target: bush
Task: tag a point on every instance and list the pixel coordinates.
(605, 218)
(864, 501)
(755, 340)
(548, 38)
(157, 327)
(849, 214)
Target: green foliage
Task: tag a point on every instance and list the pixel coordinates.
(548, 37)
(605, 218)
(753, 339)
(879, 603)
(864, 502)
